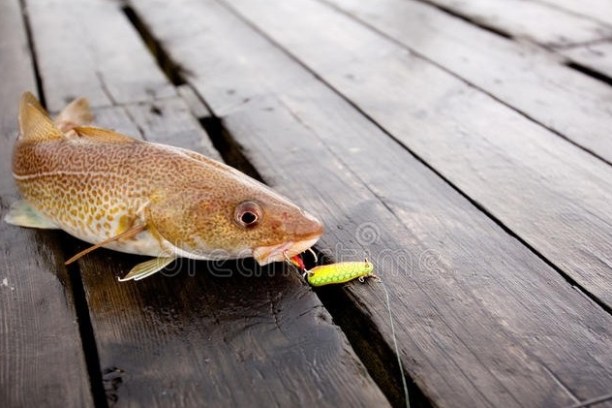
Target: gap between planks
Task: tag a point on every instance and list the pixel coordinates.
(454, 56)
(582, 62)
(86, 333)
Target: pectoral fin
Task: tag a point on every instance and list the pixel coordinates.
(129, 233)
(23, 214)
(148, 268)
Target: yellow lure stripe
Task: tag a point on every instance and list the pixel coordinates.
(339, 273)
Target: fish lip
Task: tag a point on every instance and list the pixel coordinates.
(280, 252)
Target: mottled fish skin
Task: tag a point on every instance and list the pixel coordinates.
(96, 184)
(93, 190)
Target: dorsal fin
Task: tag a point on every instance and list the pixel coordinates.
(76, 113)
(34, 122)
(102, 135)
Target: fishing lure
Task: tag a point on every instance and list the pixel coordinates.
(341, 272)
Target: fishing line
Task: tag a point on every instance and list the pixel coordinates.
(314, 255)
(297, 263)
(593, 401)
(395, 346)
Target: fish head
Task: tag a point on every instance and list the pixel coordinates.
(237, 219)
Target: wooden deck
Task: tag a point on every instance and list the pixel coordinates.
(464, 146)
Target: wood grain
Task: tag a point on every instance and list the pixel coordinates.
(41, 356)
(538, 22)
(597, 57)
(481, 320)
(599, 10)
(523, 77)
(89, 48)
(170, 121)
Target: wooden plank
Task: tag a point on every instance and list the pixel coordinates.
(535, 183)
(527, 79)
(41, 355)
(597, 57)
(538, 22)
(215, 334)
(599, 10)
(481, 320)
(170, 121)
(90, 49)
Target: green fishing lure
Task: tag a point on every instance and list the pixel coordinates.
(341, 272)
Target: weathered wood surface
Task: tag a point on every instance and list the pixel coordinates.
(597, 57)
(208, 339)
(481, 320)
(100, 54)
(527, 79)
(599, 10)
(41, 355)
(534, 182)
(170, 121)
(539, 22)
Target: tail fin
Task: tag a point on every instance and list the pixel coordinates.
(76, 114)
(34, 122)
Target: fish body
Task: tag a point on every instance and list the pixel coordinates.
(159, 200)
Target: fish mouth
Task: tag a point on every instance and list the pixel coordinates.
(281, 252)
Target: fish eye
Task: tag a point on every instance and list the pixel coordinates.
(248, 218)
(247, 214)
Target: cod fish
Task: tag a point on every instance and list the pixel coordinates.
(129, 195)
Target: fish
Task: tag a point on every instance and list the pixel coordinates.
(129, 195)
